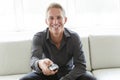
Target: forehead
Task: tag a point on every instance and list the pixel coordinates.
(54, 12)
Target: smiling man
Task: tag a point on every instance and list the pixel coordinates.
(55, 19)
(59, 46)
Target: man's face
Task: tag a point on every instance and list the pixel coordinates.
(55, 20)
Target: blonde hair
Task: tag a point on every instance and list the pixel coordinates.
(55, 5)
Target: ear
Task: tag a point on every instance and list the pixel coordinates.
(65, 20)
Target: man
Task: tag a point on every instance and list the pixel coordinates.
(57, 45)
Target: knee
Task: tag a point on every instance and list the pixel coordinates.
(25, 78)
(22, 79)
(90, 77)
(87, 76)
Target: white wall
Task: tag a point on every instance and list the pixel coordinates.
(84, 16)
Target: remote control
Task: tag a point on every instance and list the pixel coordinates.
(54, 67)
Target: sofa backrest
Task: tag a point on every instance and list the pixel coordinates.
(105, 51)
(85, 43)
(15, 57)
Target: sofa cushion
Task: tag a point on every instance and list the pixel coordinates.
(105, 51)
(107, 74)
(84, 41)
(15, 57)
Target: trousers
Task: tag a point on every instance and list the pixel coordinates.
(40, 76)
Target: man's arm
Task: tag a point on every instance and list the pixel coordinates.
(37, 52)
(39, 62)
(78, 59)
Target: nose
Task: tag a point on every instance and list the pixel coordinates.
(55, 21)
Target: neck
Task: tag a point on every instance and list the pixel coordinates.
(57, 38)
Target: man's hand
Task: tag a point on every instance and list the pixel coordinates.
(44, 64)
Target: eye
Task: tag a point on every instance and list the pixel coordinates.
(51, 18)
(59, 17)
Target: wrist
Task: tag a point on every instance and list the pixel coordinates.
(39, 62)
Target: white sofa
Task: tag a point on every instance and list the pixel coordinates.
(102, 55)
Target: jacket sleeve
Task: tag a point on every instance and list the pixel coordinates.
(78, 59)
(37, 52)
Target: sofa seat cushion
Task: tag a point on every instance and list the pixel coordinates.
(107, 74)
(11, 77)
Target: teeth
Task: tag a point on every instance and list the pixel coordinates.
(55, 26)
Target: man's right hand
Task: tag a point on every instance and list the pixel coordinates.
(44, 64)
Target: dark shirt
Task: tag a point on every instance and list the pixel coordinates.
(69, 57)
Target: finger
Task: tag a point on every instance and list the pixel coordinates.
(48, 61)
(53, 72)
